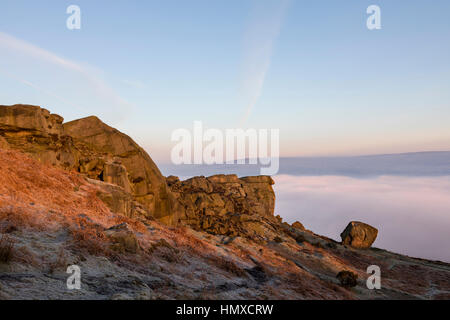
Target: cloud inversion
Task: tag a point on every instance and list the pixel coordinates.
(411, 213)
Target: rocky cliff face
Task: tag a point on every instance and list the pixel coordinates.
(219, 204)
(93, 148)
(113, 157)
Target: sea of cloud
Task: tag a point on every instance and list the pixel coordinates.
(412, 214)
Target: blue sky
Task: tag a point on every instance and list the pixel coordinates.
(311, 68)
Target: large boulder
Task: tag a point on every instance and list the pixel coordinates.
(359, 235)
(132, 167)
(298, 225)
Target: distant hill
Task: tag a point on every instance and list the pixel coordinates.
(405, 164)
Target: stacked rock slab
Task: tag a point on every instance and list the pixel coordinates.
(37, 132)
(227, 205)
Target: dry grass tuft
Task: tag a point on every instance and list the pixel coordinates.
(90, 239)
(227, 265)
(166, 251)
(37, 196)
(16, 218)
(60, 261)
(6, 249)
(25, 256)
(135, 225)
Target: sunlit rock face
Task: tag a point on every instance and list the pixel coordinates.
(228, 205)
(359, 235)
(90, 216)
(38, 133)
(91, 147)
(109, 155)
(221, 204)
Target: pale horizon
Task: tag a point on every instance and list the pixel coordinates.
(329, 84)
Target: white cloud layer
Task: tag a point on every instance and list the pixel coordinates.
(412, 214)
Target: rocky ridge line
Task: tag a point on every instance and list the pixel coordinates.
(136, 187)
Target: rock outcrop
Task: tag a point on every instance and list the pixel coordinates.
(51, 218)
(298, 225)
(359, 235)
(93, 148)
(38, 133)
(227, 205)
(111, 156)
(221, 204)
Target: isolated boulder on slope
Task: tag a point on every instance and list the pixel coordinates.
(359, 235)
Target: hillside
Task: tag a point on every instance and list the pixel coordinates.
(72, 199)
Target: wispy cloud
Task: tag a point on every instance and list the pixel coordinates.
(38, 88)
(263, 29)
(79, 75)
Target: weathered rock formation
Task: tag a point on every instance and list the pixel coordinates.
(298, 225)
(51, 218)
(359, 235)
(37, 132)
(226, 204)
(91, 147)
(111, 156)
(135, 187)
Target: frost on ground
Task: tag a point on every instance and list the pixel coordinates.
(51, 218)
